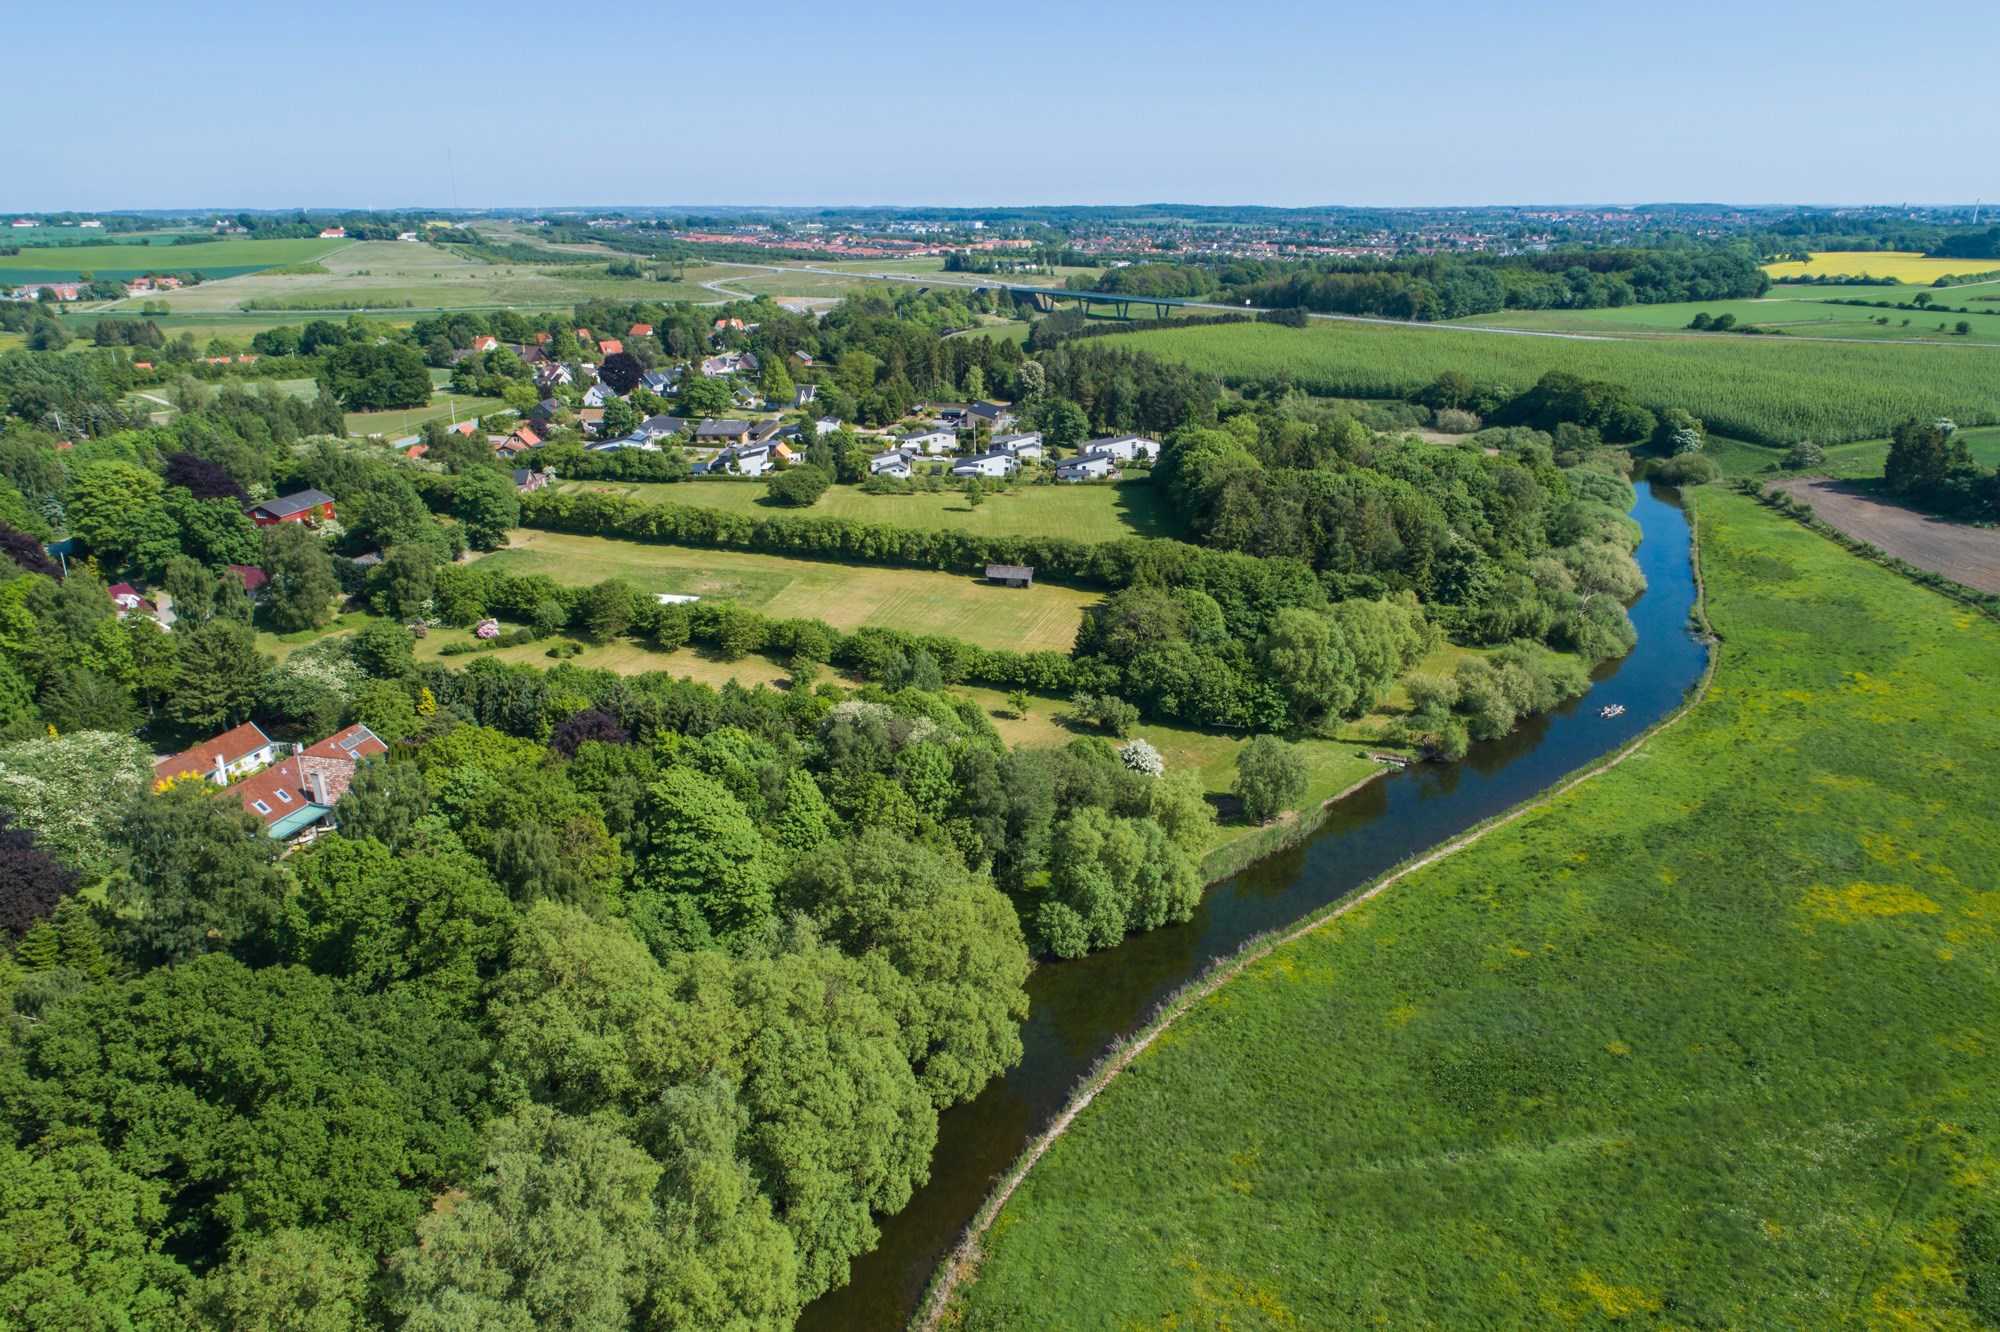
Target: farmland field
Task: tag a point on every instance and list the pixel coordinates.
(223, 257)
(1085, 513)
(1902, 265)
(1806, 316)
(1859, 460)
(848, 597)
(1702, 1043)
(402, 421)
(397, 275)
(1776, 389)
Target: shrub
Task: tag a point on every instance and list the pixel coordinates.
(1804, 454)
(1270, 778)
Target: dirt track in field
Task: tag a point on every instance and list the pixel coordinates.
(1962, 553)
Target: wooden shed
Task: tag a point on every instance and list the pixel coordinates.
(1013, 575)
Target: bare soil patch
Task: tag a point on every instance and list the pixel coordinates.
(1962, 553)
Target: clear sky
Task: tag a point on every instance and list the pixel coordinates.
(368, 104)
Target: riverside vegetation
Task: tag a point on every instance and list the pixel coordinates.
(1603, 1064)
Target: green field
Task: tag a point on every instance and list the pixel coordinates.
(443, 407)
(1854, 461)
(1810, 316)
(1776, 389)
(846, 596)
(1706, 1042)
(227, 257)
(1085, 513)
(399, 275)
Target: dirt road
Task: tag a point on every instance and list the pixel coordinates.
(1962, 553)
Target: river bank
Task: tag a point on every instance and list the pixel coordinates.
(1078, 1008)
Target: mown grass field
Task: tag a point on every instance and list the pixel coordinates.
(120, 261)
(1776, 389)
(846, 596)
(443, 406)
(1902, 265)
(1815, 316)
(1707, 1042)
(1085, 512)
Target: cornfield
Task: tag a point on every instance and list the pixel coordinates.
(1772, 390)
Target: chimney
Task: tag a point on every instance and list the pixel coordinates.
(221, 777)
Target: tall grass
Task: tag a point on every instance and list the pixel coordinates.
(1772, 390)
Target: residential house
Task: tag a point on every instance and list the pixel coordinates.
(407, 236)
(598, 394)
(783, 452)
(252, 577)
(239, 750)
(727, 363)
(804, 358)
(592, 421)
(1122, 447)
(736, 324)
(485, 342)
(1085, 467)
(948, 413)
(639, 331)
(722, 432)
(662, 382)
(996, 415)
(333, 233)
(764, 432)
(635, 440)
(743, 459)
(805, 394)
(610, 347)
(826, 425)
(1025, 445)
(553, 374)
(1013, 575)
(304, 506)
(528, 482)
(130, 601)
(294, 798)
(996, 463)
(893, 463)
(545, 412)
(661, 427)
(932, 442)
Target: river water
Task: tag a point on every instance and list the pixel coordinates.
(1076, 1009)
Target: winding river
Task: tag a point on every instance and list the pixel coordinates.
(1077, 1008)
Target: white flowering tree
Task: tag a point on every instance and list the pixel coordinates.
(1139, 756)
(72, 789)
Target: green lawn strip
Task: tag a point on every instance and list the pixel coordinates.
(1083, 512)
(1706, 1041)
(442, 407)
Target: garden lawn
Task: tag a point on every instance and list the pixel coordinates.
(1707, 1042)
(1768, 389)
(1081, 512)
(443, 406)
(846, 596)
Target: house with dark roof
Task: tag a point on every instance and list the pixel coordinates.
(662, 382)
(528, 481)
(662, 427)
(1013, 575)
(238, 750)
(1086, 467)
(303, 506)
(995, 414)
(1025, 445)
(893, 463)
(722, 432)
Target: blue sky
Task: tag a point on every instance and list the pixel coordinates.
(377, 105)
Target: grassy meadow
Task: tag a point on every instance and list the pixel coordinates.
(1705, 1042)
(1084, 512)
(1902, 265)
(225, 257)
(1859, 460)
(848, 597)
(1773, 389)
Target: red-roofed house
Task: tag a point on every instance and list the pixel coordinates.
(252, 577)
(357, 742)
(294, 799)
(305, 506)
(545, 337)
(129, 600)
(333, 233)
(485, 342)
(610, 347)
(525, 437)
(237, 751)
(639, 331)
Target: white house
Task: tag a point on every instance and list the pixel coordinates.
(240, 750)
(1085, 467)
(1026, 445)
(995, 463)
(744, 459)
(826, 425)
(1123, 447)
(893, 463)
(931, 442)
(597, 395)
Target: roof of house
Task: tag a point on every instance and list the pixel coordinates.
(611, 346)
(298, 502)
(991, 455)
(278, 794)
(1090, 445)
(356, 742)
(925, 434)
(710, 429)
(527, 436)
(664, 425)
(1085, 459)
(639, 331)
(253, 577)
(1025, 437)
(988, 409)
(236, 743)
